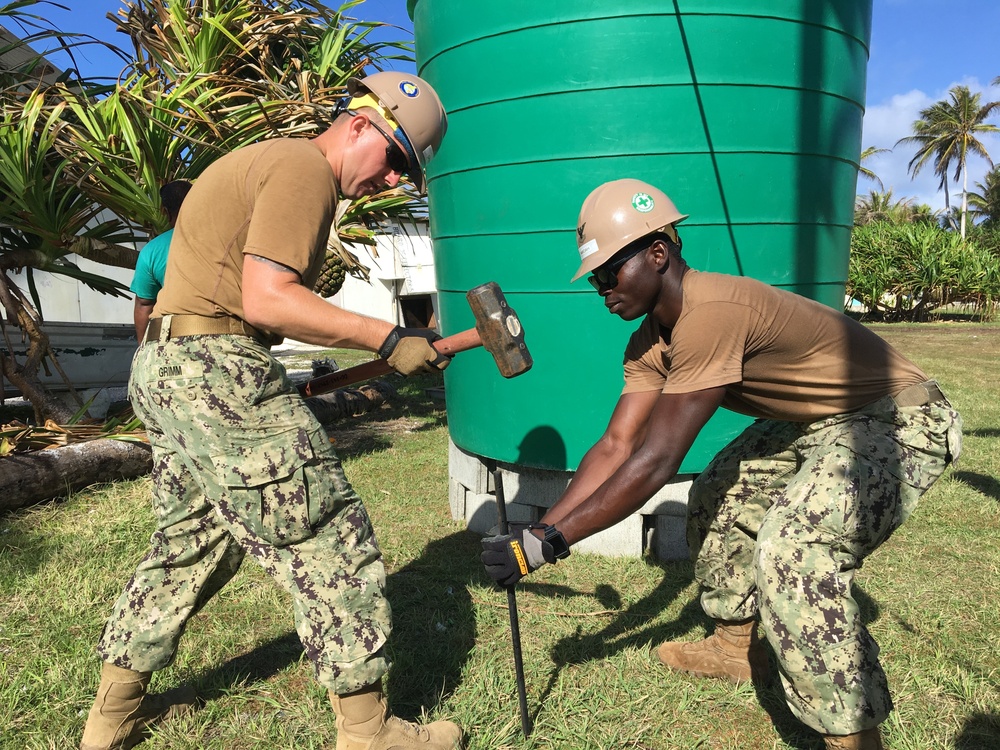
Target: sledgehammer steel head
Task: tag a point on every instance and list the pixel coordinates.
(500, 329)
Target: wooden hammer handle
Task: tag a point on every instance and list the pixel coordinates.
(450, 345)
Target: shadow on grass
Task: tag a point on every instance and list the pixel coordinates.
(983, 432)
(257, 665)
(622, 633)
(983, 483)
(433, 623)
(979, 732)
(432, 634)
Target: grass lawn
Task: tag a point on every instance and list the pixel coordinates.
(587, 625)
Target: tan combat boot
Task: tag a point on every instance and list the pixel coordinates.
(123, 712)
(733, 652)
(363, 723)
(869, 739)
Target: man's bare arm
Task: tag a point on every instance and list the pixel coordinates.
(140, 315)
(274, 299)
(674, 423)
(623, 436)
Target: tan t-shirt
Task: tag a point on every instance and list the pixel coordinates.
(275, 199)
(780, 356)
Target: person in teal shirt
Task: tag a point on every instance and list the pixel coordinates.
(151, 265)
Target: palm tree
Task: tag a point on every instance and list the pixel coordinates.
(868, 174)
(947, 133)
(924, 136)
(881, 206)
(986, 203)
(924, 214)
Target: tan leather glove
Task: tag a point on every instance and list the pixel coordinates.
(410, 351)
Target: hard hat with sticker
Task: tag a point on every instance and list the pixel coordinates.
(418, 113)
(618, 213)
(643, 202)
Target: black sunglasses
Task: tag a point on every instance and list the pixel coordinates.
(394, 155)
(605, 276)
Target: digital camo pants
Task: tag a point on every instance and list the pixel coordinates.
(240, 466)
(783, 517)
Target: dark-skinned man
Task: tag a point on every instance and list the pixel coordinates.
(240, 465)
(151, 264)
(849, 435)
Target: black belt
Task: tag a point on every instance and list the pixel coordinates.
(920, 394)
(200, 325)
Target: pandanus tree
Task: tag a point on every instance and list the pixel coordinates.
(81, 161)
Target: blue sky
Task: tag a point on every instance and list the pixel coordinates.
(920, 49)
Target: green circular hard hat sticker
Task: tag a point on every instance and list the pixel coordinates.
(642, 202)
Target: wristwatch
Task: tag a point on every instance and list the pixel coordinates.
(560, 549)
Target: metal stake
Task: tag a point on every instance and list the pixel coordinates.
(515, 630)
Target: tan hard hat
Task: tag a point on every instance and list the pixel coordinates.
(416, 109)
(618, 213)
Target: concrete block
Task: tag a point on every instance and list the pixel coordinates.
(660, 524)
(468, 469)
(480, 512)
(624, 539)
(668, 538)
(538, 487)
(456, 498)
(518, 513)
(671, 499)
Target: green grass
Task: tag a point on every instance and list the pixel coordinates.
(587, 625)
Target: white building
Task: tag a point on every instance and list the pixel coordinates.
(93, 335)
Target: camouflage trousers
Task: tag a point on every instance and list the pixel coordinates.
(783, 517)
(241, 466)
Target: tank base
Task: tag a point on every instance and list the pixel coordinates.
(658, 526)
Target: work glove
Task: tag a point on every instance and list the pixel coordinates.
(510, 557)
(410, 351)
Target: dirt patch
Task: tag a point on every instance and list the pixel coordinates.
(364, 435)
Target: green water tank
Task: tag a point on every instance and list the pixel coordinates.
(748, 115)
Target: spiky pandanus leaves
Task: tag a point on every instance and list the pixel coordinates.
(45, 215)
(208, 76)
(265, 69)
(905, 271)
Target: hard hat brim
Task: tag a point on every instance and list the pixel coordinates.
(603, 255)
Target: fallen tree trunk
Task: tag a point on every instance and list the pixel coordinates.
(28, 478)
(350, 402)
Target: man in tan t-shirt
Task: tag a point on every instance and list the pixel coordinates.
(240, 465)
(850, 434)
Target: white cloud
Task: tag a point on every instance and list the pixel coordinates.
(888, 121)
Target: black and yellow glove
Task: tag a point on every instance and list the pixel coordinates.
(510, 557)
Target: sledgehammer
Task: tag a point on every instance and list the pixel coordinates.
(498, 330)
